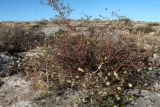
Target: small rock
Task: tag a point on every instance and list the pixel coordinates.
(156, 86)
(146, 99)
(50, 30)
(6, 65)
(16, 92)
(1, 83)
(24, 104)
(156, 57)
(152, 33)
(148, 47)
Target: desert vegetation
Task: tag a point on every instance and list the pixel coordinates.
(102, 59)
(106, 68)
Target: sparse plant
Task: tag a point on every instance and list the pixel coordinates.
(152, 24)
(144, 29)
(18, 38)
(62, 10)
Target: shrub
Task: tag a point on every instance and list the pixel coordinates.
(42, 23)
(105, 68)
(19, 38)
(152, 24)
(144, 29)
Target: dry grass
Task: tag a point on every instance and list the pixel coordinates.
(19, 38)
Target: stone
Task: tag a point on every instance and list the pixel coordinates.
(147, 47)
(146, 99)
(156, 57)
(25, 104)
(16, 92)
(6, 64)
(50, 30)
(1, 83)
(156, 86)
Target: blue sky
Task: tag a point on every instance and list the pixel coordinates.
(27, 10)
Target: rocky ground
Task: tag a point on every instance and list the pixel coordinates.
(18, 91)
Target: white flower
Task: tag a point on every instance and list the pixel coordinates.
(115, 74)
(125, 72)
(84, 100)
(104, 93)
(18, 61)
(119, 88)
(99, 67)
(130, 85)
(92, 93)
(139, 70)
(77, 76)
(44, 51)
(80, 69)
(150, 68)
(106, 78)
(117, 97)
(100, 74)
(69, 81)
(108, 83)
(100, 92)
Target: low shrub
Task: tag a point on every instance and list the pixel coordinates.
(105, 68)
(19, 38)
(144, 29)
(152, 24)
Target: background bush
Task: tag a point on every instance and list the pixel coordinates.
(19, 38)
